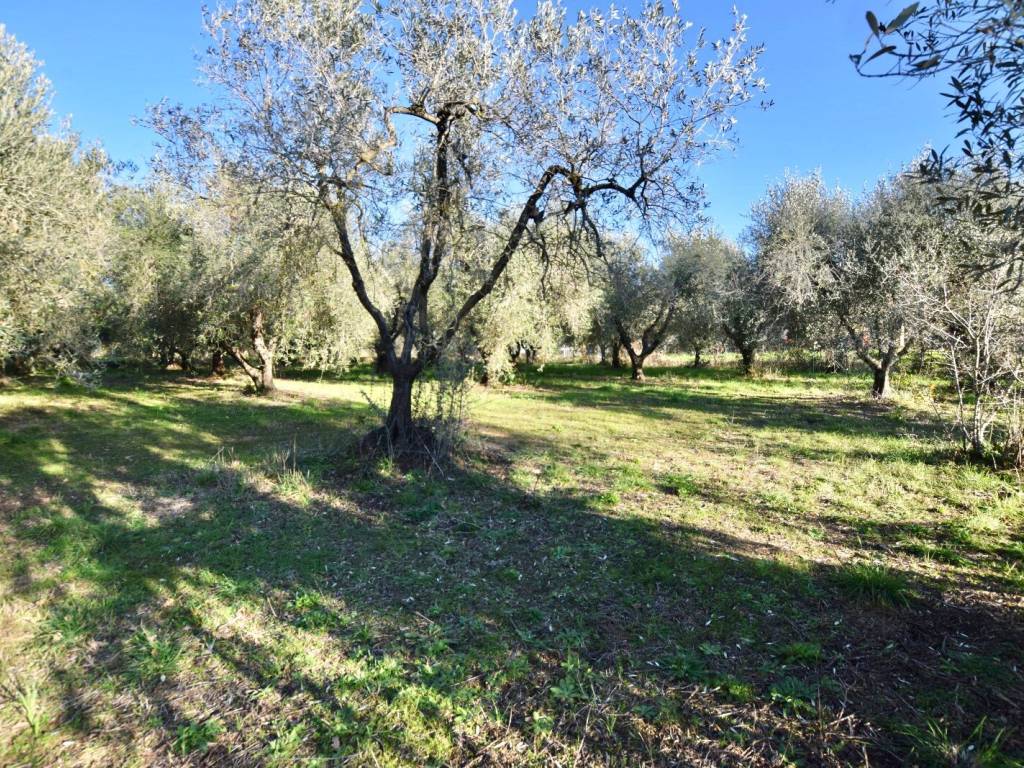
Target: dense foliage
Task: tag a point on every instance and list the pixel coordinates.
(52, 228)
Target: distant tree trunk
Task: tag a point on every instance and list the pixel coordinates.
(636, 362)
(698, 361)
(217, 365)
(21, 364)
(185, 356)
(880, 366)
(881, 388)
(380, 357)
(650, 340)
(744, 344)
(485, 375)
(265, 353)
(262, 376)
(748, 355)
(616, 355)
(921, 359)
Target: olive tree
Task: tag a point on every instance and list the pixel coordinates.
(536, 306)
(977, 326)
(271, 291)
(703, 261)
(642, 297)
(897, 234)
(153, 288)
(821, 253)
(53, 227)
(974, 324)
(746, 309)
(408, 120)
(256, 255)
(230, 274)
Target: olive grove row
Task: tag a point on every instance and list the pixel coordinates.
(428, 182)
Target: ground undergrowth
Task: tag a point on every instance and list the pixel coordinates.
(705, 569)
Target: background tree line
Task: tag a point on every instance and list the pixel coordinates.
(439, 183)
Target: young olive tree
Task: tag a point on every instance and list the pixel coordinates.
(642, 297)
(408, 120)
(53, 226)
(746, 309)
(974, 323)
(977, 324)
(703, 261)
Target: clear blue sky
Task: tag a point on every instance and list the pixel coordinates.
(108, 59)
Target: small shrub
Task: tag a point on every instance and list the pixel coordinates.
(934, 745)
(541, 722)
(606, 500)
(29, 700)
(311, 613)
(284, 748)
(687, 666)
(735, 690)
(794, 696)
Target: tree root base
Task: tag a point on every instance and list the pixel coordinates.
(418, 449)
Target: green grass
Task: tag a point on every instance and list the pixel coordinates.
(704, 568)
(196, 736)
(874, 583)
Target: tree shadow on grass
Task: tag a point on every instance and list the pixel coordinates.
(335, 612)
(842, 416)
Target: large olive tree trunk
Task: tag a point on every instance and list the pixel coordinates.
(399, 425)
(880, 387)
(165, 355)
(185, 356)
(746, 341)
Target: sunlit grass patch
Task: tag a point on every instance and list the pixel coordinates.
(680, 484)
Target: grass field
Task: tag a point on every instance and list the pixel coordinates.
(700, 570)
